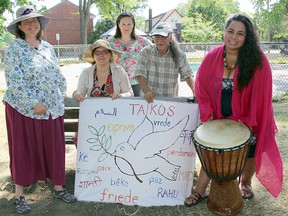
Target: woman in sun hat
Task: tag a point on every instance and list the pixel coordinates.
(104, 78)
(24, 13)
(34, 106)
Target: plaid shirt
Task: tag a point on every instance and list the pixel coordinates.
(161, 72)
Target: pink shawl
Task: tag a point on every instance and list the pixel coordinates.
(252, 106)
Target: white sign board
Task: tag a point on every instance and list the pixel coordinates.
(135, 153)
(57, 36)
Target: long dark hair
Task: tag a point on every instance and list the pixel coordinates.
(250, 54)
(118, 33)
(175, 52)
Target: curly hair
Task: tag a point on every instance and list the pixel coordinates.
(249, 55)
(118, 33)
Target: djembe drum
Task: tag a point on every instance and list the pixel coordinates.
(222, 147)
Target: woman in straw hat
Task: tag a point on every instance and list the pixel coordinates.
(104, 78)
(34, 103)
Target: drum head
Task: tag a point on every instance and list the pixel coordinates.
(221, 134)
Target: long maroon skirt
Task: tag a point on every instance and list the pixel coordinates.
(36, 148)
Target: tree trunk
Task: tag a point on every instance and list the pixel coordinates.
(84, 10)
(83, 30)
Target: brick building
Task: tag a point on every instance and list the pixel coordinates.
(65, 21)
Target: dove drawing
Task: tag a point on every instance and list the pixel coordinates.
(133, 159)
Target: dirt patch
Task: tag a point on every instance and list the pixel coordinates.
(42, 203)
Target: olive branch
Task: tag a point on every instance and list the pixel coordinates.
(100, 142)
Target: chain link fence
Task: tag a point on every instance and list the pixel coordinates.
(70, 59)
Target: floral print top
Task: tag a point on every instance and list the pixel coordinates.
(34, 75)
(104, 91)
(129, 55)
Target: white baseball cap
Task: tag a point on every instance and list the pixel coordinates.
(163, 29)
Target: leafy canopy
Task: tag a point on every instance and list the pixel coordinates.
(204, 19)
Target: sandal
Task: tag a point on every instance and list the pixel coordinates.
(65, 196)
(21, 205)
(194, 199)
(246, 191)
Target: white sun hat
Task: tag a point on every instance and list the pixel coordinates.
(24, 13)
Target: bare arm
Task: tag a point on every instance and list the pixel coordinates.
(148, 94)
(190, 81)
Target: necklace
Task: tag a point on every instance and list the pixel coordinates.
(232, 67)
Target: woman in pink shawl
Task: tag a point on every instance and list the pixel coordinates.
(234, 81)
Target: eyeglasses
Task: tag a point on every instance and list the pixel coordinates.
(104, 52)
(29, 22)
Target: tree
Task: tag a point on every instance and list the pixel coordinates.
(262, 14)
(140, 22)
(2, 30)
(7, 5)
(119, 6)
(280, 20)
(197, 31)
(215, 11)
(271, 19)
(84, 10)
(101, 27)
(206, 19)
(6, 38)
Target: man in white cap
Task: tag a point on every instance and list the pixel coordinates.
(159, 64)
